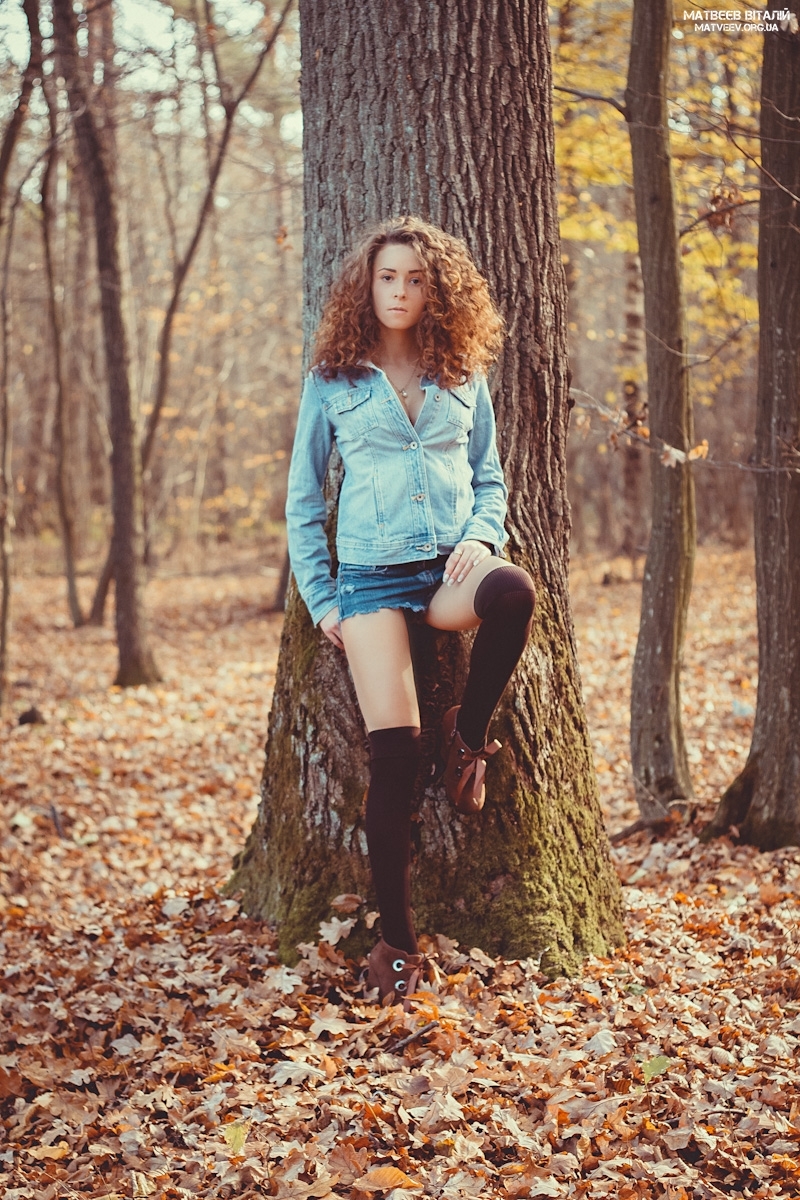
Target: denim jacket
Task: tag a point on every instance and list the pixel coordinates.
(410, 492)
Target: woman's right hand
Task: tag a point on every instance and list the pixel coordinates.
(331, 628)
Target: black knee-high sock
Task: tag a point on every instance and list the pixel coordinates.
(504, 601)
(394, 755)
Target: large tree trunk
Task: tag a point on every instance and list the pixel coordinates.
(533, 875)
(764, 801)
(136, 663)
(658, 753)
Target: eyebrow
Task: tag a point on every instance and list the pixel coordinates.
(414, 271)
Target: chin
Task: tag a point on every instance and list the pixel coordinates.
(400, 320)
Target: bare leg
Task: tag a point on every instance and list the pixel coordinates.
(380, 662)
(452, 607)
(499, 598)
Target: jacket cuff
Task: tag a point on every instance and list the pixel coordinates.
(482, 533)
(318, 608)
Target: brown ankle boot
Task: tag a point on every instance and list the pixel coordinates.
(395, 973)
(465, 769)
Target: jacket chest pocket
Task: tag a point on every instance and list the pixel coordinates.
(461, 409)
(353, 412)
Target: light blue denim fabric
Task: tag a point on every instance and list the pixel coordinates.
(410, 492)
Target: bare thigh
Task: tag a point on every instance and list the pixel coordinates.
(452, 607)
(379, 656)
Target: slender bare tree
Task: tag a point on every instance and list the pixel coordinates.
(63, 424)
(763, 802)
(658, 751)
(136, 662)
(232, 100)
(32, 72)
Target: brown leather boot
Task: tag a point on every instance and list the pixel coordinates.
(465, 769)
(395, 973)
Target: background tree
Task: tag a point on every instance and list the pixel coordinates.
(136, 663)
(658, 751)
(231, 96)
(763, 802)
(63, 417)
(7, 146)
(713, 88)
(533, 876)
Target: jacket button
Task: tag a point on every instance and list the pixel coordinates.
(421, 496)
(427, 546)
(412, 446)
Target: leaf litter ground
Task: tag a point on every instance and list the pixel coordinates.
(152, 1044)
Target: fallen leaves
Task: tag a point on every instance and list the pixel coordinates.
(152, 1045)
(384, 1179)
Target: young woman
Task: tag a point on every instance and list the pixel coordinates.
(398, 382)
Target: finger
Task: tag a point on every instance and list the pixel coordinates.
(450, 567)
(471, 562)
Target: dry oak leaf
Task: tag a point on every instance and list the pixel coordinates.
(381, 1179)
(334, 930)
(348, 1161)
(54, 1152)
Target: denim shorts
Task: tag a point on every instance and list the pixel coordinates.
(361, 589)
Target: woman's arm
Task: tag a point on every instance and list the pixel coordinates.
(306, 511)
(487, 523)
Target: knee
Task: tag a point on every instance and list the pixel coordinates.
(508, 588)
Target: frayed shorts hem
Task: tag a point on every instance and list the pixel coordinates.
(361, 590)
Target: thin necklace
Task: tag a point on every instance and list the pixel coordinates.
(403, 391)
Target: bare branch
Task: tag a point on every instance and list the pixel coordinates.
(32, 72)
(182, 268)
(617, 104)
(732, 336)
(715, 212)
(767, 175)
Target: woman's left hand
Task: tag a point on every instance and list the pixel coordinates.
(465, 556)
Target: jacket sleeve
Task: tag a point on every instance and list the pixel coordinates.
(306, 511)
(487, 523)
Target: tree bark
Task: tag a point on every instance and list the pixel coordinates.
(658, 752)
(763, 802)
(136, 662)
(533, 876)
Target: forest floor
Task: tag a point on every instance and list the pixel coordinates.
(152, 1045)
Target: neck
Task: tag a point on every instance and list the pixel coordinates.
(398, 347)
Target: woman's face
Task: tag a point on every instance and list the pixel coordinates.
(399, 290)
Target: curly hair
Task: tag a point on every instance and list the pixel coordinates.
(460, 331)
